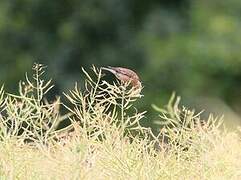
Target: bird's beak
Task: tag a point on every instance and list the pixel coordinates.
(109, 69)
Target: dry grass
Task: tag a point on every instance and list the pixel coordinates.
(105, 139)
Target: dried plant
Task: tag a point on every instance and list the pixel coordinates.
(104, 109)
(105, 139)
(28, 115)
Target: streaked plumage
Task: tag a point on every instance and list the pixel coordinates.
(125, 75)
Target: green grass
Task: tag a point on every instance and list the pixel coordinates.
(105, 139)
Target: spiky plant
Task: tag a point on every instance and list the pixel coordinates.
(104, 110)
(28, 115)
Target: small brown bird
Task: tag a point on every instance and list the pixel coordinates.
(125, 75)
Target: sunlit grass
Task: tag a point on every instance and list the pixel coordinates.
(105, 139)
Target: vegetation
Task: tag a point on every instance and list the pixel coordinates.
(105, 139)
(191, 47)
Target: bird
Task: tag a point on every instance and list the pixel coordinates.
(125, 75)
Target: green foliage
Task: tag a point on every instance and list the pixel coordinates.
(202, 58)
(191, 47)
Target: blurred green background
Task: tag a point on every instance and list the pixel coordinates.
(191, 47)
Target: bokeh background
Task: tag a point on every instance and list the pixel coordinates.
(190, 47)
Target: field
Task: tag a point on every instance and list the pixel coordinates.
(104, 139)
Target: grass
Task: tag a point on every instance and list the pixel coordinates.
(105, 139)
